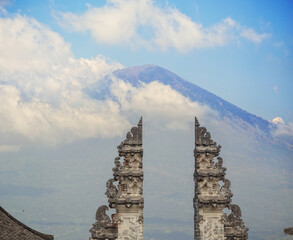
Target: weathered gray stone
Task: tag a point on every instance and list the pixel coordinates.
(210, 222)
(126, 198)
(103, 228)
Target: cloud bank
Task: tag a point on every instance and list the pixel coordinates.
(282, 129)
(41, 91)
(143, 23)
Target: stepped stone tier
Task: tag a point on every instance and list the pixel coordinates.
(12, 229)
(126, 196)
(213, 194)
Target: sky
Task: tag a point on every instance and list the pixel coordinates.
(238, 50)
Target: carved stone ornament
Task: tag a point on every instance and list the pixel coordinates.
(234, 218)
(111, 191)
(134, 136)
(128, 202)
(210, 222)
(140, 219)
(103, 227)
(225, 189)
(118, 167)
(203, 141)
(102, 218)
(204, 137)
(234, 226)
(126, 198)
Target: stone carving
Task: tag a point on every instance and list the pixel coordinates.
(111, 189)
(235, 216)
(210, 222)
(101, 217)
(127, 197)
(225, 189)
(219, 164)
(103, 227)
(118, 167)
(212, 229)
(140, 219)
(134, 136)
(234, 226)
(204, 137)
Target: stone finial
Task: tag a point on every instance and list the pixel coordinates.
(203, 137)
(196, 122)
(134, 136)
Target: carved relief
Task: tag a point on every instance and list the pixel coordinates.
(126, 198)
(111, 191)
(234, 226)
(118, 167)
(225, 189)
(212, 229)
(209, 198)
(103, 227)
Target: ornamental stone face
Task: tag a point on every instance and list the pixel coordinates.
(127, 197)
(213, 193)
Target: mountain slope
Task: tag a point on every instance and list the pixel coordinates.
(149, 73)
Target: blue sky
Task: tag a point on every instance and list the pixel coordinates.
(254, 74)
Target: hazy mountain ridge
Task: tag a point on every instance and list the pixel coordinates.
(149, 73)
(233, 115)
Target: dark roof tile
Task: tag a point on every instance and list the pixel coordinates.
(12, 229)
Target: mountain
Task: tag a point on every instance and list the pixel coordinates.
(235, 116)
(149, 73)
(258, 163)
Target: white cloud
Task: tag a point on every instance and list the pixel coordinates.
(282, 129)
(278, 120)
(41, 88)
(41, 91)
(251, 35)
(27, 45)
(159, 104)
(143, 23)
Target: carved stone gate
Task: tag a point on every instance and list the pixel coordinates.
(126, 198)
(213, 193)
